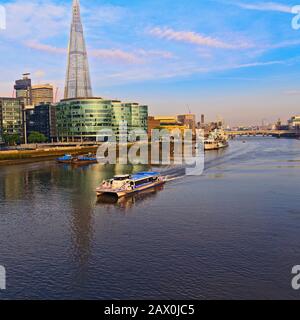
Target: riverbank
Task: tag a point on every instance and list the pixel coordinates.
(26, 156)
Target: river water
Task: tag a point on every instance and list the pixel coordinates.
(232, 233)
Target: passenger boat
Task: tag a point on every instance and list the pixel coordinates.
(216, 140)
(67, 158)
(125, 185)
(84, 160)
(210, 144)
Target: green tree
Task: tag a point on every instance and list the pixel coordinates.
(36, 137)
(11, 139)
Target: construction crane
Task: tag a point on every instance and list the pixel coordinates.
(189, 109)
(56, 94)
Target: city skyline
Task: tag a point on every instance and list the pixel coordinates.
(239, 62)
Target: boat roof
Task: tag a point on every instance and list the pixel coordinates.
(122, 176)
(144, 175)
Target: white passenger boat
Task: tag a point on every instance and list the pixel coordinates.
(217, 140)
(124, 185)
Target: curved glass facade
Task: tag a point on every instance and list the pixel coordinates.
(82, 119)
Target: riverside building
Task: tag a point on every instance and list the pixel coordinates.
(42, 93)
(42, 119)
(82, 119)
(11, 117)
(23, 89)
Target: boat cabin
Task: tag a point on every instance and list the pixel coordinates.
(135, 180)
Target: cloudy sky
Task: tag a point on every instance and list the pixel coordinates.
(235, 59)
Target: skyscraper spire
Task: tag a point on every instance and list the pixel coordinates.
(78, 83)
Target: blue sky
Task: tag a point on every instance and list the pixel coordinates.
(236, 59)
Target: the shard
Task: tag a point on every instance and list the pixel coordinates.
(78, 82)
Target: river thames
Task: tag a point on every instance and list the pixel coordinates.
(232, 233)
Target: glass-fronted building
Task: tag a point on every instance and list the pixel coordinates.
(42, 119)
(82, 119)
(121, 114)
(11, 117)
(139, 117)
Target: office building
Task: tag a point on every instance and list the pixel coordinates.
(139, 117)
(11, 117)
(152, 124)
(42, 94)
(121, 114)
(42, 119)
(82, 119)
(23, 89)
(188, 120)
(170, 123)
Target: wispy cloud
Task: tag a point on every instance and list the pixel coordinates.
(137, 56)
(195, 38)
(43, 19)
(189, 69)
(33, 44)
(115, 54)
(264, 6)
(37, 19)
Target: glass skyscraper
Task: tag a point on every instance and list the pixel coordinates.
(78, 82)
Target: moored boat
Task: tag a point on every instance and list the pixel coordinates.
(67, 158)
(216, 140)
(210, 144)
(84, 160)
(124, 185)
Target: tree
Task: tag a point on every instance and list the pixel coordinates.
(36, 137)
(11, 139)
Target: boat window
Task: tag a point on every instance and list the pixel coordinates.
(120, 178)
(141, 182)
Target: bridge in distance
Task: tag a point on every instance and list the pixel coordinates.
(266, 133)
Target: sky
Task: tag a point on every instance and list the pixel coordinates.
(238, 60)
